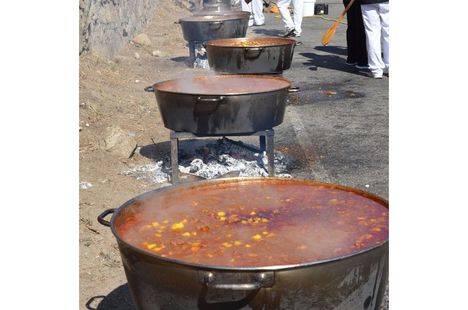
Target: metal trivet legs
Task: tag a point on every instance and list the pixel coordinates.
(267, 144)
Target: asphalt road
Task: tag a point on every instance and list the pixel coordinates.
(337, 124)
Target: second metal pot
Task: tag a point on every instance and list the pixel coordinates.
(222, 105)
(265, 55)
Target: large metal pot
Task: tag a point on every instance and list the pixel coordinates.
(350, 282)
(216, 5)
(222, 105)
(202, 28)
(266, 55)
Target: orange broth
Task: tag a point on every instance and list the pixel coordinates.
(254, 223)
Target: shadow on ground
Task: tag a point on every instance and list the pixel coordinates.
(331, 49)
(180, 59)
(331, 62)
(183, 60)
(118, 299)
(268, 32)
(156, 152)
(162, 150)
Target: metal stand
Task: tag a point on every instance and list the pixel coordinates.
(267, 144)
(191, 46)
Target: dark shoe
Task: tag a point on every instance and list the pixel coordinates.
(350, 63)
(362, 67)
(290, 33)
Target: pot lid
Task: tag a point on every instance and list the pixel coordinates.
(253, 223)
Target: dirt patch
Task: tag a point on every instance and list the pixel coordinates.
(112, 94)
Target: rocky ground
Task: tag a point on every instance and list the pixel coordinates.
(336, 128)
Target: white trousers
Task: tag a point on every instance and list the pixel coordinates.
(376, 19)
(298, 10)
(255, 7)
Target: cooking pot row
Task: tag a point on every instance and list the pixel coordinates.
(229, 52)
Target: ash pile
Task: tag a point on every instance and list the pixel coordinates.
(201, 58)
(214, 159)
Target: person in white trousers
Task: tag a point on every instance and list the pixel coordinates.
(293, 25)
(375, 14)
(255, 7)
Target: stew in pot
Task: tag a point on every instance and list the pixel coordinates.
(253, 223)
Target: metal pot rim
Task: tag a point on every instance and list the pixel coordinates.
(204, 18)
(227, 76)
(216, 42)
(264, 268)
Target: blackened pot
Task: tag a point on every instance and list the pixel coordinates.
(345, 283)
(216, 5)
(222, 105)
(266, 55)
(202, 28)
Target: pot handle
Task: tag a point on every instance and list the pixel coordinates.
(216, 24)
(253, 52)
(207, 105)
(149, 89)
(101, 217)
(264, 279)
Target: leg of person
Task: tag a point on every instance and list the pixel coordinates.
(384, 18)
(361, 45)
(349, 38)
(285, 15)
(298, 6)
(371, 19)
(257, 10)
(359, 37)
(350, 44)
(247, 7)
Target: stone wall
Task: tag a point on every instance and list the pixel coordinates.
(105, 25)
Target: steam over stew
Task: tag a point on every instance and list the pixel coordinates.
(254, 223)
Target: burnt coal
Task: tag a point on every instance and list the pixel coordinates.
(214, 159)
